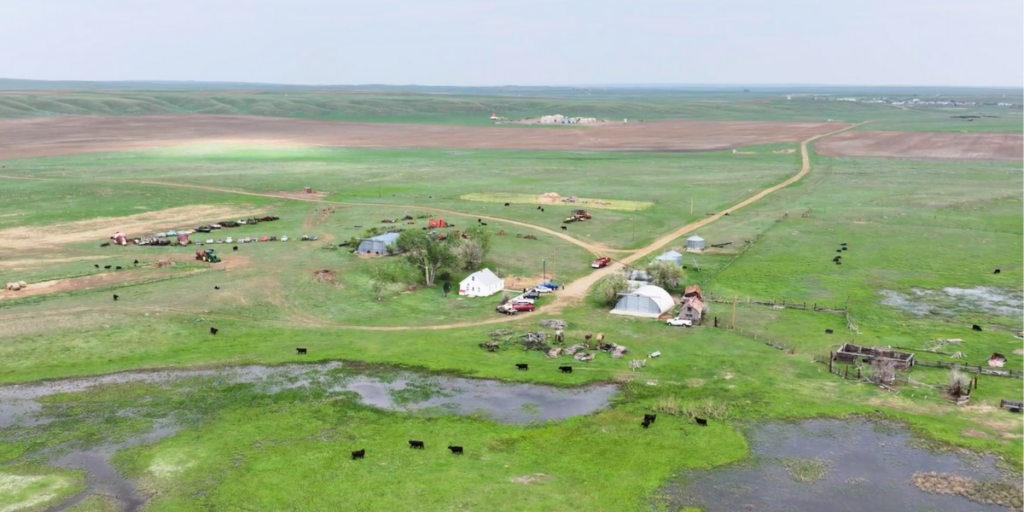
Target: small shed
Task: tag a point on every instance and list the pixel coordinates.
(693, 309)
(481, 284)
(673, 256)
(378, 245)
(647, 301)
(695, 244)
(693, 290)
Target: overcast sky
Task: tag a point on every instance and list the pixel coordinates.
(521, 42)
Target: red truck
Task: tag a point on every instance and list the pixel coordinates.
(601, 262)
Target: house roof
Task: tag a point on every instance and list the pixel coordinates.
(387, 238)
(657, 294)
(694, 303)
(693, 289)
(485, 277)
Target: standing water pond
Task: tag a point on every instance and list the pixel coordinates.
(35, 407)
(846, 466)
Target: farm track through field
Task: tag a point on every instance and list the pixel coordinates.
(573, 291)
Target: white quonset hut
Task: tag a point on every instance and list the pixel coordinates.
(695, 244)
(647, 301)
(481, 284)
(673, 256)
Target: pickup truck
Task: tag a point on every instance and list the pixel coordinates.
(601, 262)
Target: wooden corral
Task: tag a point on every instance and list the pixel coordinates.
(850, 353)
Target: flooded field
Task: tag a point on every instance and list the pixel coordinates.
(840, 466)
(22, 406)
(951, 301)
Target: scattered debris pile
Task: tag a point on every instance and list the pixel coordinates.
(534, 340)
(163, 263)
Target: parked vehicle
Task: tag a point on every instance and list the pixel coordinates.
(577, 216)
(549, 284)
(523, 299)
(679, 322)
(541, 289)
(532, 294)
(506, 308)
(523, 306)
(209, 240)
(229, 240)
(601, 262)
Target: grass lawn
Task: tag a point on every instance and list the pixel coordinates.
(915, 230)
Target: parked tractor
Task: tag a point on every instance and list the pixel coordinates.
(577, 216)
(207, 255)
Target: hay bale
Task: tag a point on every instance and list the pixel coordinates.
(13, 286)
(22, 284)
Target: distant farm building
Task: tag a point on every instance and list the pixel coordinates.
(673, 256)
(647, 301)
(481, 284)
(378, 245)
(693, 308)
(695, 244)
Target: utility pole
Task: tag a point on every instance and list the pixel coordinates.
(544, 273)
(691, 204)
(732, 325)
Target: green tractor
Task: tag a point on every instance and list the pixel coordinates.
(207, 255)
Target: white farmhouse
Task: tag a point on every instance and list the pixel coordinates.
(481, 284)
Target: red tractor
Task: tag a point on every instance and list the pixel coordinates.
(601, 262)
(437, 223)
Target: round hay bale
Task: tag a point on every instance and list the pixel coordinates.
(14, 287)
(22, 284)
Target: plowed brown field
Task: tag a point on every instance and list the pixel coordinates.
(45, 136)
(951, 146)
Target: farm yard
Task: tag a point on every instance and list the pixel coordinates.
(298, 374)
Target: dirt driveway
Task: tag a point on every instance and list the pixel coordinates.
(946, 146)
(45, 136)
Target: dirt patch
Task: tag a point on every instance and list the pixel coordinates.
(988, 493)
(42, 262)
(62, 135)
(536, 478)
(970, 432)
(302, 195)
(519, 282)
(1019, 352)
(695, 383)
(326, 276)
(101, 228)
(951, 146)
(80, 283)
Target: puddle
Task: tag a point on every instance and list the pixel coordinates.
(508, 403)
(859, 465)
(951, 301)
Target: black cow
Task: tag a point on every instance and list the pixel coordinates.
(359, 454)
(115, 297)
(416, 444)
(539, 208)
(117, 268)
(97, 266)
(478, 221)
(522, 366)
(136, 263)
(828, 331)
(215, 287)
(650, 417)
(506, 204)
(997, 271)
(214, 330)
(456, 450)
(300, 351)
(839, 250)
(645, 424)
(565, 369)
(844, 248)
(839, 263)
(837, 258)
(235, 248)
(542, 210)
(843, 244)
(565, 228)
(702, 422)
(483, 223)
(106, 267)
(976, 327)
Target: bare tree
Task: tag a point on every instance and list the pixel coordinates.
(469, 253)
(883, 371)
(382, 274)
(611, 287)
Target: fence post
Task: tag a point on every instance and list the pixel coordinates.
(830, 361)
(858, 373)
(846, 373)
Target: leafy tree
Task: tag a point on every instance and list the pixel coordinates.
(666, 274)
(481, 236)
(382, 273)
(611, 287)
(469, 254)
(427, 254)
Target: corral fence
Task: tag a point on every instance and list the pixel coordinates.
(970, 368)
(776, 304)
(776, 344)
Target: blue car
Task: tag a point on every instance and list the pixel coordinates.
(549, 284)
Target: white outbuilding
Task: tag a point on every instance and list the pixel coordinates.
(647, 301)
(481, 284)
